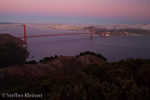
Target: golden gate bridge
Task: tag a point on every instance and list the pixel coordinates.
(25, 35)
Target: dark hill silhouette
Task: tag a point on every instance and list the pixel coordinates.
(10, 38)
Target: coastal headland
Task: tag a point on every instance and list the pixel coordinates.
(12, 50)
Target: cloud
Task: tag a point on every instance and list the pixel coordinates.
(137, 26)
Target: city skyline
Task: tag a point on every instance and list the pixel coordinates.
(75, 11)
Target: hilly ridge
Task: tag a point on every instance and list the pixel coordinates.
(71, 63)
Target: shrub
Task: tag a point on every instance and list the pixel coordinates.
(31, 62)
(92, 53)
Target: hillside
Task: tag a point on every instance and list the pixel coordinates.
(123, 80)
(71, 63)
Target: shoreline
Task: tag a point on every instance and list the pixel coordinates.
(102, 30)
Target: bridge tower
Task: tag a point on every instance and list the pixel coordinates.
(91, 31)
(25, 37)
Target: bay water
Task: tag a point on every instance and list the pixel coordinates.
(114, 48)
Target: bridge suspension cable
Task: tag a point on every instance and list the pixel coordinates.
(15, 29)
(25, 37)
(36, 29)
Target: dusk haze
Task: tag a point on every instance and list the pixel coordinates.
(75, 11)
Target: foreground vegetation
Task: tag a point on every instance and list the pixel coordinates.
(81, 54)
(123, 80)
(92, 53)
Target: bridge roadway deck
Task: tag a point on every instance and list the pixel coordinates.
(54, 35)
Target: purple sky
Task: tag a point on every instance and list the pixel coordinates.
(75, 11)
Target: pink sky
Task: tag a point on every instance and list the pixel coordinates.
(123, 9)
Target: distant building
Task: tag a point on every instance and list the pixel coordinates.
(105, 34)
